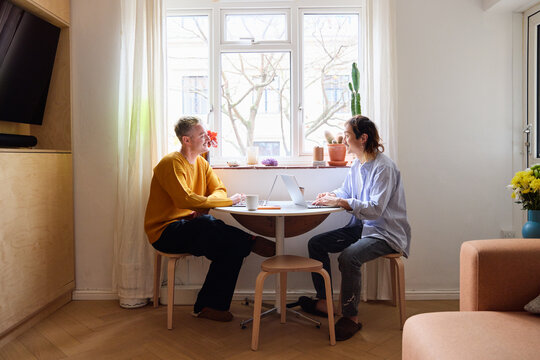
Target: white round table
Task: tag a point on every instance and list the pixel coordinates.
(291, 220)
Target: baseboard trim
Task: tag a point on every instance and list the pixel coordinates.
(95, 295)
(409, 295)
(31, 320)
(267, 294)
(432, 295)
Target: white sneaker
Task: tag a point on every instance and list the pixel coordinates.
(132, 303)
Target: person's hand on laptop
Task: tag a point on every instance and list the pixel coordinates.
(325, 194)
(330, 199)
(236, 198)
(327, 200)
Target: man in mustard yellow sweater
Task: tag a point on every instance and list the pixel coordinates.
(183, 189)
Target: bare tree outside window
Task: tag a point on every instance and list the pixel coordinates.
(255, 85)
(330, 43)
(188, 70)
(245, 80)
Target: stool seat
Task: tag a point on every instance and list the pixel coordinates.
(393, 256)
(173, 256)
(290, 263)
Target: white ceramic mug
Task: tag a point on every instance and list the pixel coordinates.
(252, 202)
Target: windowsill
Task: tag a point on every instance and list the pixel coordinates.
(262, 167)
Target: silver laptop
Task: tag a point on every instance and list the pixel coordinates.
(296, 194)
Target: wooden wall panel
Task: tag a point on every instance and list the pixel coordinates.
(36, 232)
(14, 128)
(57, 12)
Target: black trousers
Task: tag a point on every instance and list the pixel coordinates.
(225, 245)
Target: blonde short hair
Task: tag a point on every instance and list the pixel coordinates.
(184, 125)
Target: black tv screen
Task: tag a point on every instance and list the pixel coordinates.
(27, 51)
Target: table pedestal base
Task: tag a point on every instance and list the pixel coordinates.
(244, 323)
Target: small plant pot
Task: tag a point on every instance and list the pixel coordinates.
(337, 152)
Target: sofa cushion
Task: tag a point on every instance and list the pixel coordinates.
(498, 274)
(534, 305)
(472, 335)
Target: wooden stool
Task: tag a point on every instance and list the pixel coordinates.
(283, 264)
(171, 267)
(397, 273)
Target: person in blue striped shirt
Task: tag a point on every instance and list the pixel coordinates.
(374, 196)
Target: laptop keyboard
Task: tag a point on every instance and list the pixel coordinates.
(311, 206)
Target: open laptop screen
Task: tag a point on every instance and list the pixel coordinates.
(296, 194)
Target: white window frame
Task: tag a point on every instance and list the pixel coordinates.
(532, 148)
(256, 11)
(361, 61)
(295, 10)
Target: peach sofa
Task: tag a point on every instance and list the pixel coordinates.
(497, 278)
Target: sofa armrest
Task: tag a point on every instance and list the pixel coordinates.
(499, 274)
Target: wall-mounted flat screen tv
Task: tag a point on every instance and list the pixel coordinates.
(27, 52)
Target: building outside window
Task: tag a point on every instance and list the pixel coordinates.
(194, 95)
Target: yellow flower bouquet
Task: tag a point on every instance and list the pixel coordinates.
(526, 188)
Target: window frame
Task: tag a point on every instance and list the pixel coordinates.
(216, 12)
(254, 11)
(361, 59)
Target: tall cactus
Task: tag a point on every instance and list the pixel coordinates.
(354, 86)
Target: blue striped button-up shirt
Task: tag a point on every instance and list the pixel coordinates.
(375, 193)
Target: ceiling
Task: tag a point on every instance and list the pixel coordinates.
(508, 5)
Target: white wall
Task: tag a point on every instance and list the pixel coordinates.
(455, 123)
(95, 41)
(455, 131)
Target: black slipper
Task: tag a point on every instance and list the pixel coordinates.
(309, 305)
(346, 328)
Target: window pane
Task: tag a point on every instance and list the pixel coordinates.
(187, 70)
(330, 47)
(537, 70)
(255, 103)
(267, 27)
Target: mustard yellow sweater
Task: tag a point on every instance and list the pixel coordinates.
(177, 189)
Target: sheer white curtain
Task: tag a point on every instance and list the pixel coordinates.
(382, 99)
(140, 143)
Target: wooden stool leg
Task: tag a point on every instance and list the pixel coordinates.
(259, 284)
(171, 266)
(393, 278)
(283, 296)
(401, 285)
(157, 279)
(329, 306)
(338, 307)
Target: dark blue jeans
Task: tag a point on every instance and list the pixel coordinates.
(355, 251)
(225, 245)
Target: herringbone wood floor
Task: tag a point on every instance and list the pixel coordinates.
(103, 330)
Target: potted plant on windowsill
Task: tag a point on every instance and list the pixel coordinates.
(336, 149)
